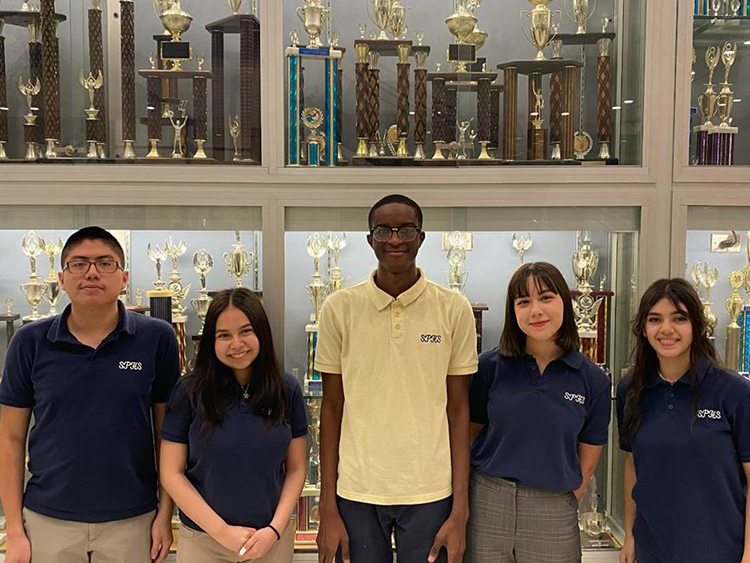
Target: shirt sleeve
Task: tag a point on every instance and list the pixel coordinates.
(17, 387)
(596, 427)
(625, 443)
(179, 416)
(464, 342)
(328, 352)
(479, 394)
(297, 410)
(741, 429)
(167, 367)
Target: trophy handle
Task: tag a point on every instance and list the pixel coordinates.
(525, 13)
(227, 259)
(300, 13)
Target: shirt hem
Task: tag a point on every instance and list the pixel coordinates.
(327, 368)
(465, 370)
(173, 438)
(89, 518)
(592, 442)
(396, 500)
(15, 404)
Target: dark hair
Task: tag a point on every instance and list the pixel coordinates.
(545, 275)
(395, 198)
(645, 362)
(92, 233)
(213, 387)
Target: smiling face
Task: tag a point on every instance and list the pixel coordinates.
(669, 331)
(395, 255)
(236, 344)
(92, 289)
(539, 314)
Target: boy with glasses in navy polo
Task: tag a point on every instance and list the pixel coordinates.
(96, 378)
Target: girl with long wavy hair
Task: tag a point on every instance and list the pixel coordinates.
(685, 425)
(234, 441)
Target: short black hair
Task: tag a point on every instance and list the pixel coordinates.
(396, 198)
(93, 233)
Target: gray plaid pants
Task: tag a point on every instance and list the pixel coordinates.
(513, 524)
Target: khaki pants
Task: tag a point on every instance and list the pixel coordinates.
(62, 541)
(198, 547)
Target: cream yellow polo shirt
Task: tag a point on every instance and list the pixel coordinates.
(394, 356)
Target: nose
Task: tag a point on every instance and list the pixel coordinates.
(92, 272)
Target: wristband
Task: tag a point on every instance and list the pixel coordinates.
(275, 531)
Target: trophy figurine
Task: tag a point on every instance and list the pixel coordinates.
(522, 244)
(138, 297)
(238, 261)
(203, 262)
(31, 245)
(91, 84)
(156, 255)
(580, 13)
(313, 16)
(313, 119)
(234, 131)
(725, 99)
(457, 244)
(179, 292)
(178, 148)
(51, 292)
(29, 90)
(540, 23)
(706, 277)
(335, 246)
(734, 306)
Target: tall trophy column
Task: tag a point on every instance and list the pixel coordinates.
(604, 95)
(127, 76)
(438, 116)
(567, 139)
(402, 118)
(200, 109)
(50, 78)
(96, 65)
(373, 90)
(361, 70)
(154, 116)
(294, 109)
(484, 117)
(495, 120)
(331, 117)
(510, 103)
(250, 89)
(217, 95)
(3, 96)
(420, 105)
(35, 73)
(449, 124)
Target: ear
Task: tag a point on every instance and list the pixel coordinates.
(370, 241)
(421, 238)
(125, 278)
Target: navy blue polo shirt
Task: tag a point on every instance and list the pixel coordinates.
(238, 468)
(91, 447)
(534, 422)
(690, 485)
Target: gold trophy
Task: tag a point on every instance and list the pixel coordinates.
(313, 410)
(457, 244)
(580, 13)
(461, 23)
(156, 255)
(179, 292)
(317, 291)
(51, 292)
(537, 120)
(316, 142)
(585, 264)
(29, 90)
(397, 25)
(540, 23)
(178, 148)
(335, 246)
(725, 99)
(707, 100)
(235, 5)
(27, 7)
(381, 16)
(706, 277)
(522, 244)
(203, 262)
(31, 245)
(91, 84)
(238, 261)
(175, 20)
(313, 16)
(734, 306)
(234, 131)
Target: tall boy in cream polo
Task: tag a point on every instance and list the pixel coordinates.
(395, 352)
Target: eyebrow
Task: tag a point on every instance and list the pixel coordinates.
(104, 257)
(248, 325)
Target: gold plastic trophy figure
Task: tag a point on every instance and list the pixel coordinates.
(178, 149)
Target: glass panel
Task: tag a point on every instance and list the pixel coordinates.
(163, 95)
(719, 116)
(552, 235)
(411, 95)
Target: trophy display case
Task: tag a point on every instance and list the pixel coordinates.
(717, 262)
(153, 81)
(424, 83)
(475, 251)
(719, 118)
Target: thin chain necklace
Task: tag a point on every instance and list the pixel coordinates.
(245, 390)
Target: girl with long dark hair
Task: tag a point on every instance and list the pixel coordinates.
(685, 425)
(540, 411)
(234, 441)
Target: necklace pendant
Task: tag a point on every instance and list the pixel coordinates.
(245, 395)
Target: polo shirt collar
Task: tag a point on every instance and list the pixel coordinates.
(381, 299)
(573, 359)
(59, 331)
(701, 369)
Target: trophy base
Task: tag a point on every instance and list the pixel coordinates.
(544, 162)
(3, 156)
(129, 151)
(480, 162)
(174, 160)
(383, 161)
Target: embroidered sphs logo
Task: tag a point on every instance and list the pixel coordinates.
(708, 413)
(433, 338)
(575, 398)
(137, 366)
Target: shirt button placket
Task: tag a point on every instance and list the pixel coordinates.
(396, 320)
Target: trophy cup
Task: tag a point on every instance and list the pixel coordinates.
(313, 411)
(456, 244)
(706, 277)
(580, 13)
(31, 245)
(8, 306)
(397, 25)
(203, 262)
(522, 244)
(722, 145)
(29, 90)
(313, 119)
(335, 246)
(174, 251)
(91, 85)
(585, 262)
(178, 148)
(734, 307)
(540, 22)
(138, 297)
(156, 255)
(381, 15)
(317, 291)
(176, 21)
(313, 16)
(707, 106)
(238, 261)
(51, 292)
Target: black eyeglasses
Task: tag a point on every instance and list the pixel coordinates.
(407, 233)
(83, 266)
